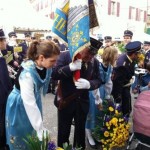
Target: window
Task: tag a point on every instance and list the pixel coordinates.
(132, 13)
(113, 8)
(141, 15)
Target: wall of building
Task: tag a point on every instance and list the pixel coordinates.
(128, 14)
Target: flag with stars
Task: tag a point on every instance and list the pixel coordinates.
(72, 23)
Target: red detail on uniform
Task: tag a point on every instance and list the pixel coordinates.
(77, 72)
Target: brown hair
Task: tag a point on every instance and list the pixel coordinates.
(45, 48)
(109, 54)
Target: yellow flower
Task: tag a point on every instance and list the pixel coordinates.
(111, 108)
(100, 51)
(116, 112)
(104, 148)
(107, 124)
(59, 148)
(106, 134)
(114, 121)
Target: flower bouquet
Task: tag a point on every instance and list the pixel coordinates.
(33, 143)
(141, 58)
(112, 129)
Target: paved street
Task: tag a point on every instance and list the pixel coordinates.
(50, 119)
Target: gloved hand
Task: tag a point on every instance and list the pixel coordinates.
(76, 65)
(42, 133)
(82, 84)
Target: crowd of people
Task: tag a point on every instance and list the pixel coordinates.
(107, 69)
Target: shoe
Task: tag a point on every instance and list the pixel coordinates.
(92, 146)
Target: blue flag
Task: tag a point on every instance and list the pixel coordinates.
(72, 24)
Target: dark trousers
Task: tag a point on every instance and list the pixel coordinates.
(126, 101)
(2, 128)
(64, 126)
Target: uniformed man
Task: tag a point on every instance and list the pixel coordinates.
(107, 41)
(12, 43)
(123, 74)
(12, 39)
(127, 37)
(25, 44)
(72, 98)
(146, 47)
(5, 87)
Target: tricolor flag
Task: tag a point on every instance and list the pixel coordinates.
(72, 23)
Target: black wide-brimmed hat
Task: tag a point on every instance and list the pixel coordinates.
(95, 46)
(2, 35)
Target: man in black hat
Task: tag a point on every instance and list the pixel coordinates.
(25, 44)
(75, 95)
(5, 87)
(123, 74)
(127, 36)
(107, 41)
(12, 39)
(146, 47)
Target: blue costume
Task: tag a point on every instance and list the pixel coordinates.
(145, 79)
(94, 112)
(18, 125)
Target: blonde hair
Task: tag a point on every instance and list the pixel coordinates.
(109, 55)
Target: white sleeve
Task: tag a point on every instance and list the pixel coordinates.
(108, 89)
(96, 95)
(29, 101)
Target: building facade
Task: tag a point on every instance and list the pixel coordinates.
(114, 16)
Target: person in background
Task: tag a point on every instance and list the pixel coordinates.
(146, 46)
(77, 93)
(147, 54)
(25, 44)
(5, 88)
(49, 38)
(127, 37)
(122, 76)
(109, 58)
(24, 106)
(145, 79)
(12, 39)
(12, 43)
(107, 41)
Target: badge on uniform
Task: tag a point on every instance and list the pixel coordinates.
(9, 58)
(18, 49)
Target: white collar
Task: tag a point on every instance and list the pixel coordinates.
(39, 67)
